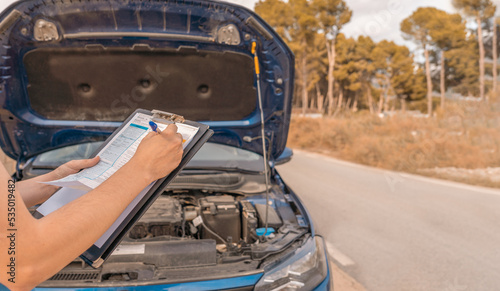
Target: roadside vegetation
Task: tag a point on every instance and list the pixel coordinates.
(431, 111)
(455, 57)
(466, 136)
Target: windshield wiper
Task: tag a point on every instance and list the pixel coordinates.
(222, 169)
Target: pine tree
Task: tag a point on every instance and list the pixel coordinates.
(481, 10)
(365, 67)
(417, 27)
(296, 23)
(396, 74)
(447, 31)
(317, 66)
(332, 16)
(463, 65)
(346, 73)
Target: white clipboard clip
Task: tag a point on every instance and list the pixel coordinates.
(166, 117)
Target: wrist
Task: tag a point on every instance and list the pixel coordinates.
(51, 176)
(34, 192)
(49, 189)
(138, 172)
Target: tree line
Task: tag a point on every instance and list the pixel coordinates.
(336, 73)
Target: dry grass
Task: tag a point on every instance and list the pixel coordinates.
(466, 136)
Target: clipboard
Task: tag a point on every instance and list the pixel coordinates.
(97, 254)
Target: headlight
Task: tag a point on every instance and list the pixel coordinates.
(306, 269)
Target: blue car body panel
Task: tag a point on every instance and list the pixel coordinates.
(220, 284)
(151, 26)
(154, 25)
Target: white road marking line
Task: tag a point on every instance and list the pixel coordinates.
(338, 255)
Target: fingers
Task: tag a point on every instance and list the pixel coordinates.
(171, 128)
(95, 160)
(168, 132)
(149, 135)
(86, 163)
(74, 166)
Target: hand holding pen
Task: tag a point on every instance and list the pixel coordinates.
(154, 127)
(158, 153)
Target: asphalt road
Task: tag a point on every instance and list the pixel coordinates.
(393, 231)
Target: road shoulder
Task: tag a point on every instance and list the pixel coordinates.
(343, 282)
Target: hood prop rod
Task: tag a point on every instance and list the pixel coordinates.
(262, 132)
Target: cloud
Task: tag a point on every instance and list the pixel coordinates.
(5, 3)
(250, 4)
(381, 19)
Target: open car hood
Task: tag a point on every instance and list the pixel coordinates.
(71, 71)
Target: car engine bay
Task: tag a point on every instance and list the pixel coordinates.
(195, 232)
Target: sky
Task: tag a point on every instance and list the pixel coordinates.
(378, 19)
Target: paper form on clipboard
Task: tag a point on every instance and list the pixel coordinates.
(118, 152)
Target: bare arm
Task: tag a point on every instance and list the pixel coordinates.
(34, 193)
(45, 246)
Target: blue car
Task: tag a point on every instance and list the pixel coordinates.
(72, 70)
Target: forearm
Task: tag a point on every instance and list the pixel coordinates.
(45, 246)
(33, 192)
(58, 236)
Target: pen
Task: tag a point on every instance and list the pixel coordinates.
(154, 126)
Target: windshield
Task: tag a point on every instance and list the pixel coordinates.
(211, 155)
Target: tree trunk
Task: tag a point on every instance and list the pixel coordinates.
(429, 82)
(339, 104)
(382, 99)
(381, 103)
(481, 58)
(305, 98)
(348, 103)
(355, 103)
(386, 95)
(441, 80)
(370, 98)
(495, 56)
(403, 104)
(321, 99)
(331, 66)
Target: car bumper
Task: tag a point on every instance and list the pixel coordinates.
(238, 283)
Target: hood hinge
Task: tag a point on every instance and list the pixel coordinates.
(18, 175)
